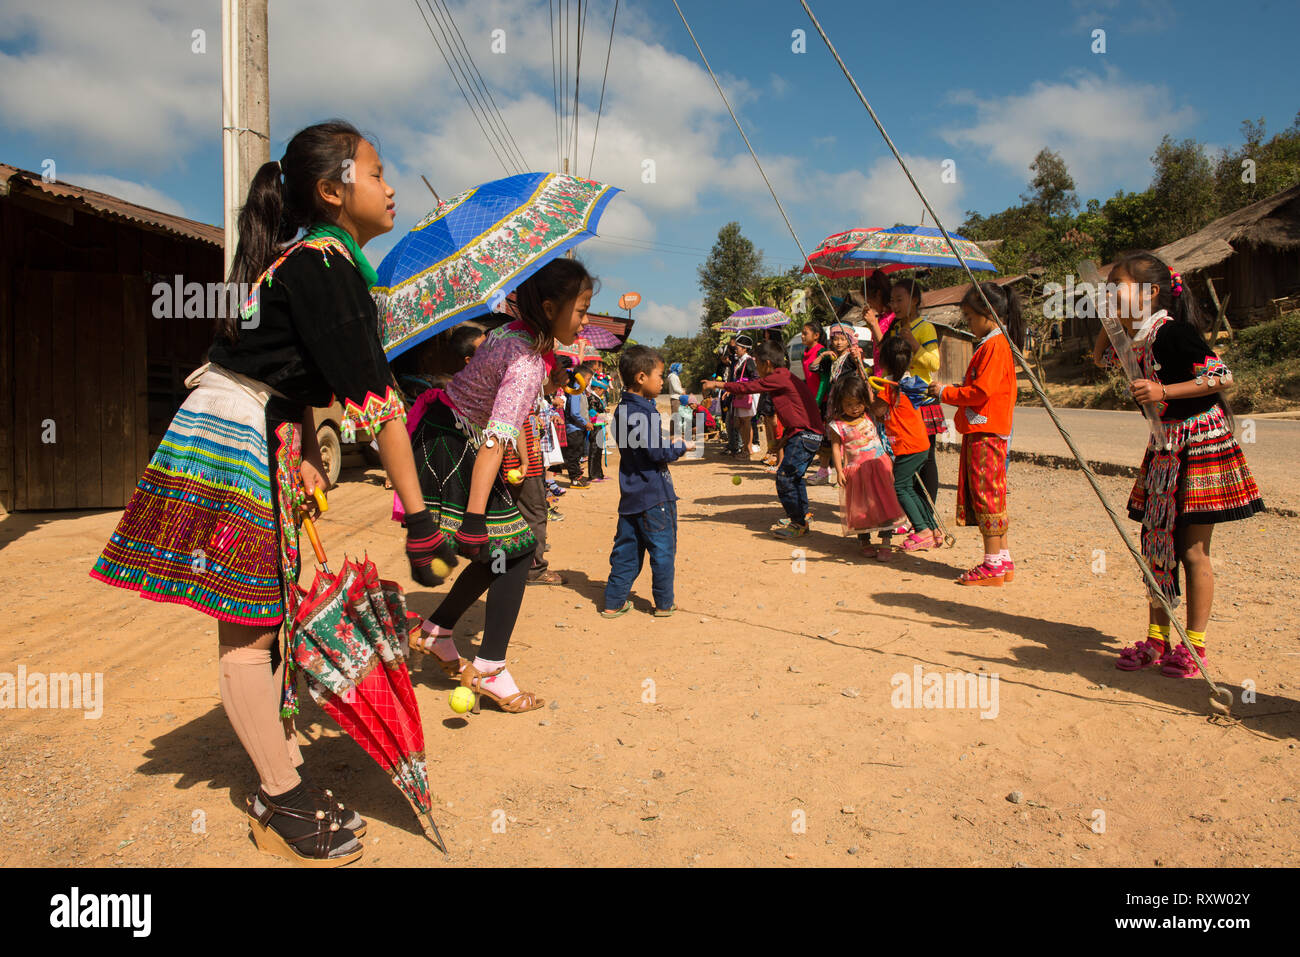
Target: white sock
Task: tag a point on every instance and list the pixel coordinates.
(503, 686)
(993, 561)
(1005, 554)
(444, 645)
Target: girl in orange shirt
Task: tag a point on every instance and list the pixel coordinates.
(986, 398)
(910, 447)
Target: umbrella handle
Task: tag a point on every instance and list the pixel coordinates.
(310, 527)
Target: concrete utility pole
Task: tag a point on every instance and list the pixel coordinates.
(245, 105)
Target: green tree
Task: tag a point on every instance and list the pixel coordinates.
(1259, 168)
(1182, 189)
(733, 265)
(1052, 188)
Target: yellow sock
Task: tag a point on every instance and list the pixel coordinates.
(1197, 638)
(1158, 633)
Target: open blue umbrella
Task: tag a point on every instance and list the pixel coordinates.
(917, 246)
(462, 259)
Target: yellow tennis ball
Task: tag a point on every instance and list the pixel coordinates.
(461, 699)
(514, 476)
(440, 568)
(735, 480)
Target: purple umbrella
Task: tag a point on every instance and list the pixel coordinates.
(600, 338)
(755, 317)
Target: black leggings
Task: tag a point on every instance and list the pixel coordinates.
(929, 474)
(505, 595)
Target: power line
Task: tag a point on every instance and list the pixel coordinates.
(464, 71)
(564, 78)
(600, 109)
(446, 48)
(491, 145)
(770, 189)
(555, 87)
(577, 78)
(523, 160)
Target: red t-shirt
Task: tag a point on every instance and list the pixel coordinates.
(903, 425)
(795, 405)
(811, 378)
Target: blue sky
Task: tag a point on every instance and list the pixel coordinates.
(116, 95)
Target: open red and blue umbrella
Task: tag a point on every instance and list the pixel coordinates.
(906, 246)
(461, 260)
(827, 260)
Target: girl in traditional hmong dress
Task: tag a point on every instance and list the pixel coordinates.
(212, 523)
(1202, 478)
(863, 469)
(460, 440)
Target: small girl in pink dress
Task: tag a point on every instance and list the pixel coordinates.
(862, 465)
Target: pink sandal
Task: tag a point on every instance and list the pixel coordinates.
(982, 574)
(1179, 664)
(915, 543)
(1144, 654)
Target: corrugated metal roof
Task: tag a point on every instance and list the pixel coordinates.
(618, 325)
(951, 295)
(11, 178)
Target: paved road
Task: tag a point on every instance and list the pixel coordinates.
(1119, 438)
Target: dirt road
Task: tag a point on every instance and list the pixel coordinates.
(763, 724)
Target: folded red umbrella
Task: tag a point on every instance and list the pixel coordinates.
(346, 640)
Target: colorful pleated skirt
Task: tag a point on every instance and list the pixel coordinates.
(1201, 479)
(445, 447)
(932, 416)
(210, 524)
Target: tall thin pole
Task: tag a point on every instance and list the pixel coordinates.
(245, 106)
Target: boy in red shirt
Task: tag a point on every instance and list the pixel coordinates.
(802, 430)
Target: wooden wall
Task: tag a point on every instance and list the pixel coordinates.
(79, 350)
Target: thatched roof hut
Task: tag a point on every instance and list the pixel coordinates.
(1252, 254)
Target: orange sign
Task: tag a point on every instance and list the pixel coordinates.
(629, 300)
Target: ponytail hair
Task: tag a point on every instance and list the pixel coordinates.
(1005, 303)
(1174, 297)
(283, 199)
(560, 281)
(879, 286)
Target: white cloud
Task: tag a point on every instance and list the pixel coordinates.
(882, 196)
(655, 320)
(117, 81)
(132, 192)
(1104, 127)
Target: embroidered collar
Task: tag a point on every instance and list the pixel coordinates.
(996, 332)
(1149, 327)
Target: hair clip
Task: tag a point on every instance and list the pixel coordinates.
(1177, 283)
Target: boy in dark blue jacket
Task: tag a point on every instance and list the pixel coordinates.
(647, 506)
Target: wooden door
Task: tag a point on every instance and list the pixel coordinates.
(79, 391)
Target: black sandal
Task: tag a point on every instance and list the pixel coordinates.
(324, 800)
(328, 845)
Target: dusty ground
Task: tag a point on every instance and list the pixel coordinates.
(771, 737)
